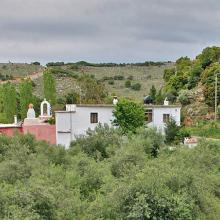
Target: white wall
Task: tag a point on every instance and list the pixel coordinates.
(158, 112)
(77, 123)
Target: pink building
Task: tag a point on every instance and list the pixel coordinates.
(32, 125)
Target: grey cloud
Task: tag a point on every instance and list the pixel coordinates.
(106, 30)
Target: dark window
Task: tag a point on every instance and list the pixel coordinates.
(93, 118)
(149, 115)
(166, 118)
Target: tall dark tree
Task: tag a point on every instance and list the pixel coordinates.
(9, 101)
(26, 96)
(49, 87)
(153, 93)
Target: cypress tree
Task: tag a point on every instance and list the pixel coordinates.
(49, 87)
(9, 101)
(26, 96)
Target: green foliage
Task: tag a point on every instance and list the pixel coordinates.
(188, 74)
(168, 73)
(183, 63)
(9, 101)
(55, 64)
(91, 90)
(99, 143)
(208, 80)
(118, 77)
(153, 93)
(26, 96)
(36, 63)
(127, 83)
(159, 97)
(183, 97)
(136, 86)
(209, 55)
(72, 98)
(39, 181)
(171, 131)
(49, 87)
(128, 116)
(111, 82)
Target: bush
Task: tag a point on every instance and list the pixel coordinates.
(130, 78)
(111, 82)
(127, 83)
(99, 143)
(36, 63)
(55, 64)
(183, 97)
(136, 86)
(118, 77)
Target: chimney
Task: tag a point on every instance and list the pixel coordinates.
(166, 102)
(115, 100)
(15, 119)
(70, 108)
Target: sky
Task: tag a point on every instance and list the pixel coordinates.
(106, 30)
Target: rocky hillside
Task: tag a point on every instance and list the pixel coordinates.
(127, 81)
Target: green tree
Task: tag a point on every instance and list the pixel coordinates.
(26, 96)
(171, 131)
(168, 73)
(91, 90)
(153, 93)
(159, 97)
(128, 116)
(49, 87)
(9, 101)
(72, 98)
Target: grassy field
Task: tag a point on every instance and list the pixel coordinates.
(207, 129)
(145, 75)
(19, 69)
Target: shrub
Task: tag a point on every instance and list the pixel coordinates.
(183, 97)
(118, 77)
(127, 83)
(36, 63)
(111, 82)
(130, 78)
(136, 86)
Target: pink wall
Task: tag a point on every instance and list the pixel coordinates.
(10, 131)
(42, 132)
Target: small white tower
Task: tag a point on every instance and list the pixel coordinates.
(166, 102)
(115, 100)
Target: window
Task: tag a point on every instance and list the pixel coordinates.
(166, 118)
(149, 115)
(93, 118)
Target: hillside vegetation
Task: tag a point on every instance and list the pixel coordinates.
(114, 78)
(19, 69)
(193, 74)
(108, 176)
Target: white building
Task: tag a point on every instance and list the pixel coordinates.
(158, 115)
(78, 118)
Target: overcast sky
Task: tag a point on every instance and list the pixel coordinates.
(106, 30)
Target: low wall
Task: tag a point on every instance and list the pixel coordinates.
(10, 131)
(42, 132)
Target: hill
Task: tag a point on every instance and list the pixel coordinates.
(18, 70)
(113, 77)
